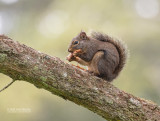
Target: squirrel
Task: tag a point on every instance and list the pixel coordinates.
(104, 56)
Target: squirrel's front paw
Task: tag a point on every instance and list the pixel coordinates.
(70, 57)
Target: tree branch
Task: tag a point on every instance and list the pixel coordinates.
(50, 73)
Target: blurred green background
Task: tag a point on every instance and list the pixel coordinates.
(49, 26)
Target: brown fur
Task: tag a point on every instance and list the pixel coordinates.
(103, 55)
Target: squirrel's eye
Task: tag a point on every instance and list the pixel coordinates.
(75, 42)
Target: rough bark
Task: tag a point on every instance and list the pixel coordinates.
(50, 73)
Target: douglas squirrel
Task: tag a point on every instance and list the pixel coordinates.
(104, 56)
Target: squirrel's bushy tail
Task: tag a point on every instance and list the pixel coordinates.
(120, 46)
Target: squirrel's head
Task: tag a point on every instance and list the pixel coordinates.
(79, 42)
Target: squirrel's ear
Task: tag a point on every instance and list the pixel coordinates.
(83, 35)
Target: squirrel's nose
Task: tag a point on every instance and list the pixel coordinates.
(69, 50)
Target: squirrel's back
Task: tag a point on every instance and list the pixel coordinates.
(120, 46)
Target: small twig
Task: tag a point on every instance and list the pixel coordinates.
(7, 85)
